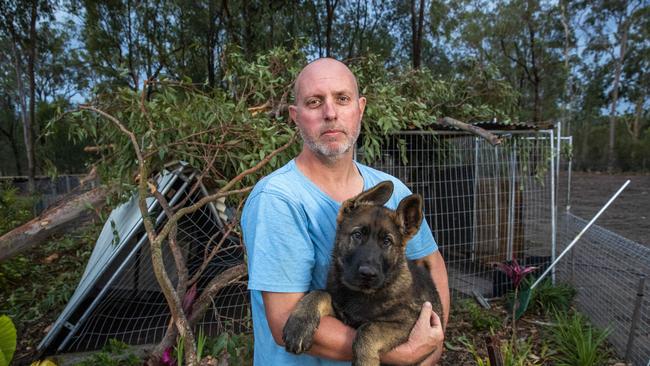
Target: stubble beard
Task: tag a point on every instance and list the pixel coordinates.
(329, 151)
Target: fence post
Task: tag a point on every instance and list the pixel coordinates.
(497, 182)
(474, 201)
(511, 207)
(553, 212)
(635, 318)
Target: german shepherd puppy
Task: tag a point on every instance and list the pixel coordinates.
(371, 286)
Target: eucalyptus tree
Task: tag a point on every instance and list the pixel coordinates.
(19, 20)
(610, 24)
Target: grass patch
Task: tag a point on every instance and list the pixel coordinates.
(114, 353)
(547, 297)
(480, 319)
(577, 343)
(36, 286)
(16, 209)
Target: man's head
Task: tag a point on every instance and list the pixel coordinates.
(327, 109)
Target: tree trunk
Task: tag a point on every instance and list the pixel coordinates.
(210, 44)
(54, 220)
(567, 84)
(417, 25)
(27, 129)
(611, 153)
(636, 124)
(31, 60)
(10, 134)
(14, 149)
(535, 79)
(331, 8)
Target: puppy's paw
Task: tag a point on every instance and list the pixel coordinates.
(298, 332)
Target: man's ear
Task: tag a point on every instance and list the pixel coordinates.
(293, 112)
(362, 107)
(377, 195)
(410, 214)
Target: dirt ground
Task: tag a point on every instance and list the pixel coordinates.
(628, 216)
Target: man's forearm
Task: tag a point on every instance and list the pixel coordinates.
(333, 340)
(438, 272)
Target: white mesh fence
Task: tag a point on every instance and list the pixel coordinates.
(485, 204)
(611, 274)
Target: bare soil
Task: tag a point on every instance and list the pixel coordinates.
(628, 216)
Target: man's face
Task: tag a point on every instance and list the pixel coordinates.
(328, 109)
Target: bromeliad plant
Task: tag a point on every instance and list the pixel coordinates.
(516, 273)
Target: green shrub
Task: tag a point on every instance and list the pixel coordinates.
(481, 319)
(237, 348)
(114, 353)
(15, 209)
(547, 297)
(521, 355)
(577, 343)
(53, 270)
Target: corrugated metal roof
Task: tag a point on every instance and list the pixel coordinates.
(494, 125)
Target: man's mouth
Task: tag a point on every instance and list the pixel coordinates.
(328, 133)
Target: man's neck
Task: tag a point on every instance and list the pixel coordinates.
(338, 178)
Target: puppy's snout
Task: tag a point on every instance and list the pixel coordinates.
(367, 272)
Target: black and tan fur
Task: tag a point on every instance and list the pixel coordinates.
(371, 286)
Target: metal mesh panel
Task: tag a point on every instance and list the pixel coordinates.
(484, 203)
(607, 270)
(132, 307)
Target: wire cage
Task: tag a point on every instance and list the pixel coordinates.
(119, 297)
(485, 204)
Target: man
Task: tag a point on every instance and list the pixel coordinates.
(289, 224)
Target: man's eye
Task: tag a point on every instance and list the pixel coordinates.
(313, 103)
(344, 99)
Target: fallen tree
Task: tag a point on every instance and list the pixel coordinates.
(54, 220)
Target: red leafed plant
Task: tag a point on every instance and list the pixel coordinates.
(516, 273)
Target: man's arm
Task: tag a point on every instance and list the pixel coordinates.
(333, 339)
(435, 264)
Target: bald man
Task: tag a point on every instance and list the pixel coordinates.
(289, 224)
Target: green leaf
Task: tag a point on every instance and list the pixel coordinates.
(7, 340)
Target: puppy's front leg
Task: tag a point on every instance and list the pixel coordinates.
(374, 339)
(298, 331)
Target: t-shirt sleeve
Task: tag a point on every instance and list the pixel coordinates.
(280, 253)
(422, 243)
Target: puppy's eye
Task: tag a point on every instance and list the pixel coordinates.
(387, 241)
(356, 235)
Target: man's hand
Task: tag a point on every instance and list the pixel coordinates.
(425, 341)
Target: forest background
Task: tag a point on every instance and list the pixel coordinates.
(585, 63)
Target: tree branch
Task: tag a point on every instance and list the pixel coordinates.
(478, 131)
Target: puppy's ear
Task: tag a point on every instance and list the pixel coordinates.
(409, 212)
(377, 195)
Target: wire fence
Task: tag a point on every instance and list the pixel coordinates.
(122, 299)
(485, 204)
(49, 190)
(610, 274)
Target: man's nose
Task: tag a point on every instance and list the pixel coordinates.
(329, 110)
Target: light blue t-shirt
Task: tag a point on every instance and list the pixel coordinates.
(289, 227)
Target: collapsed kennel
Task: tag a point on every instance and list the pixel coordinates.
(118, 296)
(485, 204)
